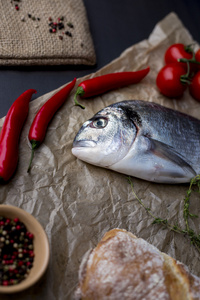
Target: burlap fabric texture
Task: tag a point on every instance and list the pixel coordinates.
(26, 38)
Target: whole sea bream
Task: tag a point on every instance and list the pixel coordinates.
(142, 139)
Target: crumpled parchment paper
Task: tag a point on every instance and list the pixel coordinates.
(77, 203)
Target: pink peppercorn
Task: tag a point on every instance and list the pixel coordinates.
(31, 236)
(31, 253)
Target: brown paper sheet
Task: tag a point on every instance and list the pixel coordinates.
(77, 203)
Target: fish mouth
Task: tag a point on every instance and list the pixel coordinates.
(80, 147)
(84, 143)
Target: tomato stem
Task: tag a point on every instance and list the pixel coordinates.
(189, 49)
(191, 60)
(79, 92)
(185, 79)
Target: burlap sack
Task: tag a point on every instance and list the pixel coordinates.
(26, 38)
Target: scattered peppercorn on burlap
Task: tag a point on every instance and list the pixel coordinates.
(26, 38)
(75, 202)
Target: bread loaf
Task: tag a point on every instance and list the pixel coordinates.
(123, 266)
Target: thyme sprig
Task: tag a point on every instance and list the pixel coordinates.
(187, 231)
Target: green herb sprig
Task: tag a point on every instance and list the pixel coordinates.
(187, 232)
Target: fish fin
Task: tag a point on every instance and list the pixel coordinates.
(168, 152)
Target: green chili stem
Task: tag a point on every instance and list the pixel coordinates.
(34, 145)
(32, 155)
(79, 92)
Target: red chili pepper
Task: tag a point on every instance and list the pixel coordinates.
(41, 121)
(10, 134)
(101, 84)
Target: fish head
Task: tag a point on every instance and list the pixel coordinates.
(106, 138)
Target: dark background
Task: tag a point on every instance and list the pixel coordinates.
(115, 25)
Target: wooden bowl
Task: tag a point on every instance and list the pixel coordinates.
(40, 244)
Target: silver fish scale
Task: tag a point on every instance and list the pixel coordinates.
(168, 126)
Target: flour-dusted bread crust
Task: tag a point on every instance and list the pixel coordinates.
(123, 266)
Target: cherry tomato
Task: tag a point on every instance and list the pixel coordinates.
(178, 51)
(175, 52)
(169, 80)
(194, 87)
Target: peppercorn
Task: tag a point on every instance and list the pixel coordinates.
(16, 251)
(70, 25)
(60, 25)
(68, 33)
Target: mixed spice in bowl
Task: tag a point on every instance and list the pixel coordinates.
(24, 249)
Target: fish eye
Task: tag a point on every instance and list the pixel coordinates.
(99, 123)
